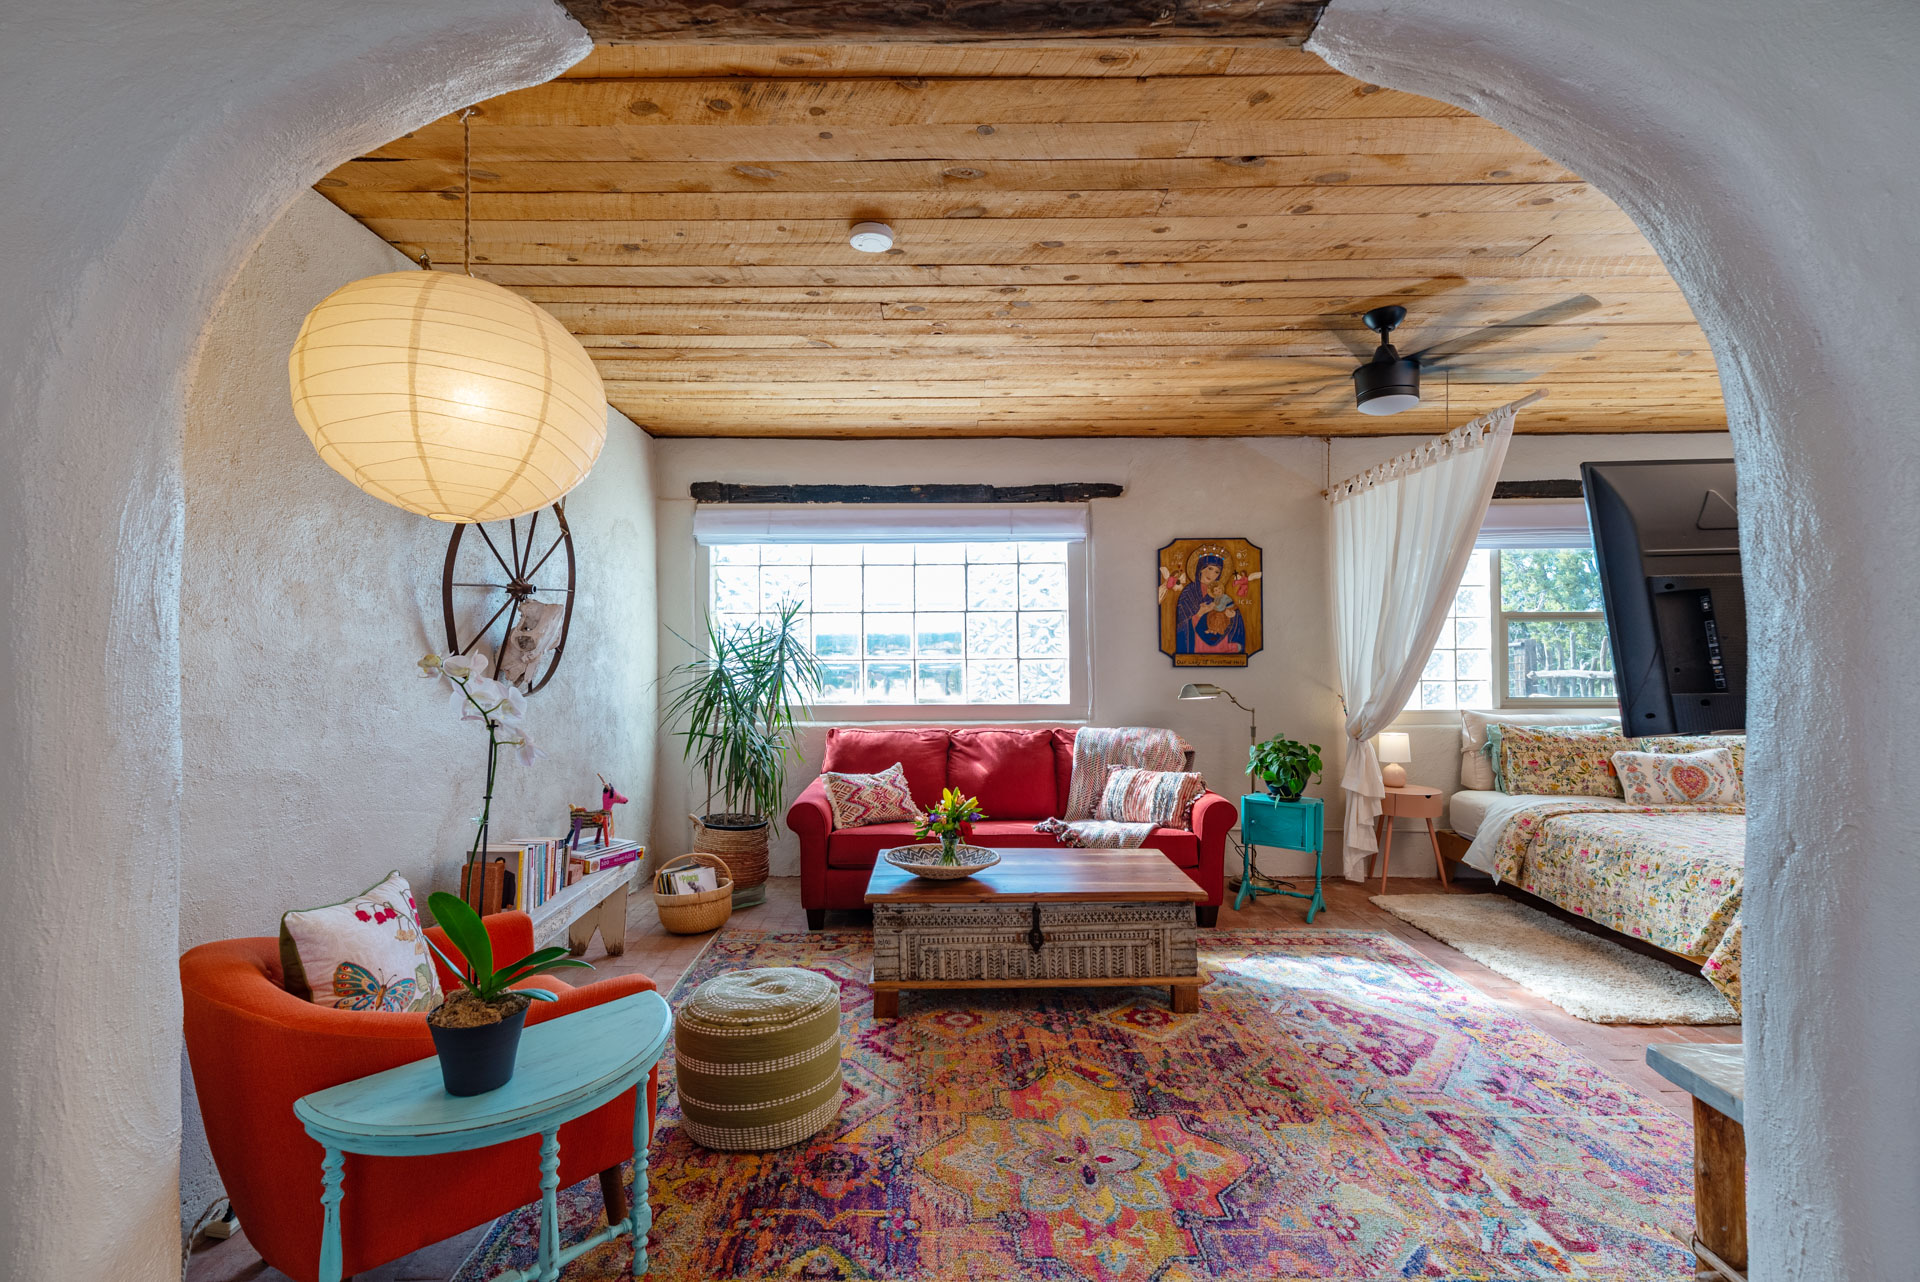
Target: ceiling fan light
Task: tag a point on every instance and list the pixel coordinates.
(1386, 387)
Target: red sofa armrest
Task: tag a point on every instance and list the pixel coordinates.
(511, 934)
(811, 815)
(810, 820)
(1213, 818)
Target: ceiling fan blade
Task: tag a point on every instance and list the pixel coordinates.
(1345, 323)
(1566, 309)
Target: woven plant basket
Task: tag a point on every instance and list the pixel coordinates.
(742, 841)
(702, 911)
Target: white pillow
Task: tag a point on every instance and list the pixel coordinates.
(1476, 768)
(1704, 778)
(366, 953)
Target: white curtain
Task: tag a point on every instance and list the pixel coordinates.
(1402, 534)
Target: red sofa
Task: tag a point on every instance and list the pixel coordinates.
(1020, 775)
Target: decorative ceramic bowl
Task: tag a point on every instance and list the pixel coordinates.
(923, 860)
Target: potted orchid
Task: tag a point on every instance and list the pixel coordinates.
(502, 709)
(947, 820)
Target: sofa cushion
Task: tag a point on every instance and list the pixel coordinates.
(860, 847)
(1011, 772)
(922, 753)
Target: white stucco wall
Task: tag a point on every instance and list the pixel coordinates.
(315, 758)
(1765, 148)
(1267, 491)
(148, 144)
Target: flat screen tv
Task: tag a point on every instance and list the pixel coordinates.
(1666, 536)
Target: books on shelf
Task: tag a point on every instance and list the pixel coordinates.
(592, 859)
(536, 869)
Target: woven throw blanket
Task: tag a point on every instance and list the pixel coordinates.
(1094, 750)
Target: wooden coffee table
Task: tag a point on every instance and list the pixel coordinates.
(1047, 918)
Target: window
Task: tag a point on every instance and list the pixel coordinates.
(1526, 628)
(989, 623)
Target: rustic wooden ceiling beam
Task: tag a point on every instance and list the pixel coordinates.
(721, 21)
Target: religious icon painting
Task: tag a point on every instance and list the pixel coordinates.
(1209, 594)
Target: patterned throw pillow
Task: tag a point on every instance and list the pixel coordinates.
(1495, 731)
(367, 953)
(858, 800)
(1733, 743)
(1704, 778)
(1559, 764)
(1163, 798)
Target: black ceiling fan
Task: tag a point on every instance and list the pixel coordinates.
(1390, 382)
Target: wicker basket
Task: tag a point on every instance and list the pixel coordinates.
(702, 911)
(744, 848)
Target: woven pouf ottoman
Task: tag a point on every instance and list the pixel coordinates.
(757, 1058)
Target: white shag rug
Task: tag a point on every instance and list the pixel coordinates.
(1589, 977)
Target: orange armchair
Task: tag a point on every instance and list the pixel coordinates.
(256, 1048)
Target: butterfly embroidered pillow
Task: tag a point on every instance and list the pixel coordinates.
(366, 953)
(1704, 778)
(1163, 798)
(859, 800)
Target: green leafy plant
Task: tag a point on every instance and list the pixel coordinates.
(1286, 764)
(476, 970)
(738, 703)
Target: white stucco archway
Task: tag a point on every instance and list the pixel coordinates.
(1765, 147)
(148, 146)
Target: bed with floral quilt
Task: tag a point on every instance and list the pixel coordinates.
(1670, 875)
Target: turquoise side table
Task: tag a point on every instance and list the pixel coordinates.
(567, 1067)
(1288, 825)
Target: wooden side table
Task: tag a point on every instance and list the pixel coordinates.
(567, 1067)
(1716, 1077)
(1287, 825)
(1412, 802)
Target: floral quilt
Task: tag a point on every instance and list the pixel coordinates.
(1670, 875)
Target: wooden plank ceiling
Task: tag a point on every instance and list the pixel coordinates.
(1093, 238)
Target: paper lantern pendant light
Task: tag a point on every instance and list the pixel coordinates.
(447, 396)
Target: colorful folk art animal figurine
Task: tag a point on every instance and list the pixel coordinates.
(601, 820)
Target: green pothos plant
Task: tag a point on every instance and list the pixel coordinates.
(1287, 765)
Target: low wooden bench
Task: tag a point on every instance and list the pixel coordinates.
(1716, 1077)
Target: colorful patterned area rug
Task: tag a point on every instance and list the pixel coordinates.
(1339, 1108)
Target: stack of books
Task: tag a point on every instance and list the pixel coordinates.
(589, 860)
(536, 869)
(686, 881)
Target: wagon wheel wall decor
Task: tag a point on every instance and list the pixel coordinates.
(495, 573)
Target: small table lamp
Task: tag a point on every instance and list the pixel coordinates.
(1395, 748)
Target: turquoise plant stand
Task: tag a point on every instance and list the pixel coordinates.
(567, 1067)
(1288, 825)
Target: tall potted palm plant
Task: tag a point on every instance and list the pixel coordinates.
(737, 705)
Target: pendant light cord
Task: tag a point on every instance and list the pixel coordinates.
(466, 203)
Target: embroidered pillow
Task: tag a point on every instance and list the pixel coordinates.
(1704, 778)
(366, 953)
(1538, 760)
(859, 800)
(1581, 730)
(1163, 798)
(1670, 743)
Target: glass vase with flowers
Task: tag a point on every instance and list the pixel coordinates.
(947, 820)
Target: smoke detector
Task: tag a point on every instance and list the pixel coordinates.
(871, 238)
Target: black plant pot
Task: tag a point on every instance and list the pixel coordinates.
(1278, 793)
(474, 1061)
